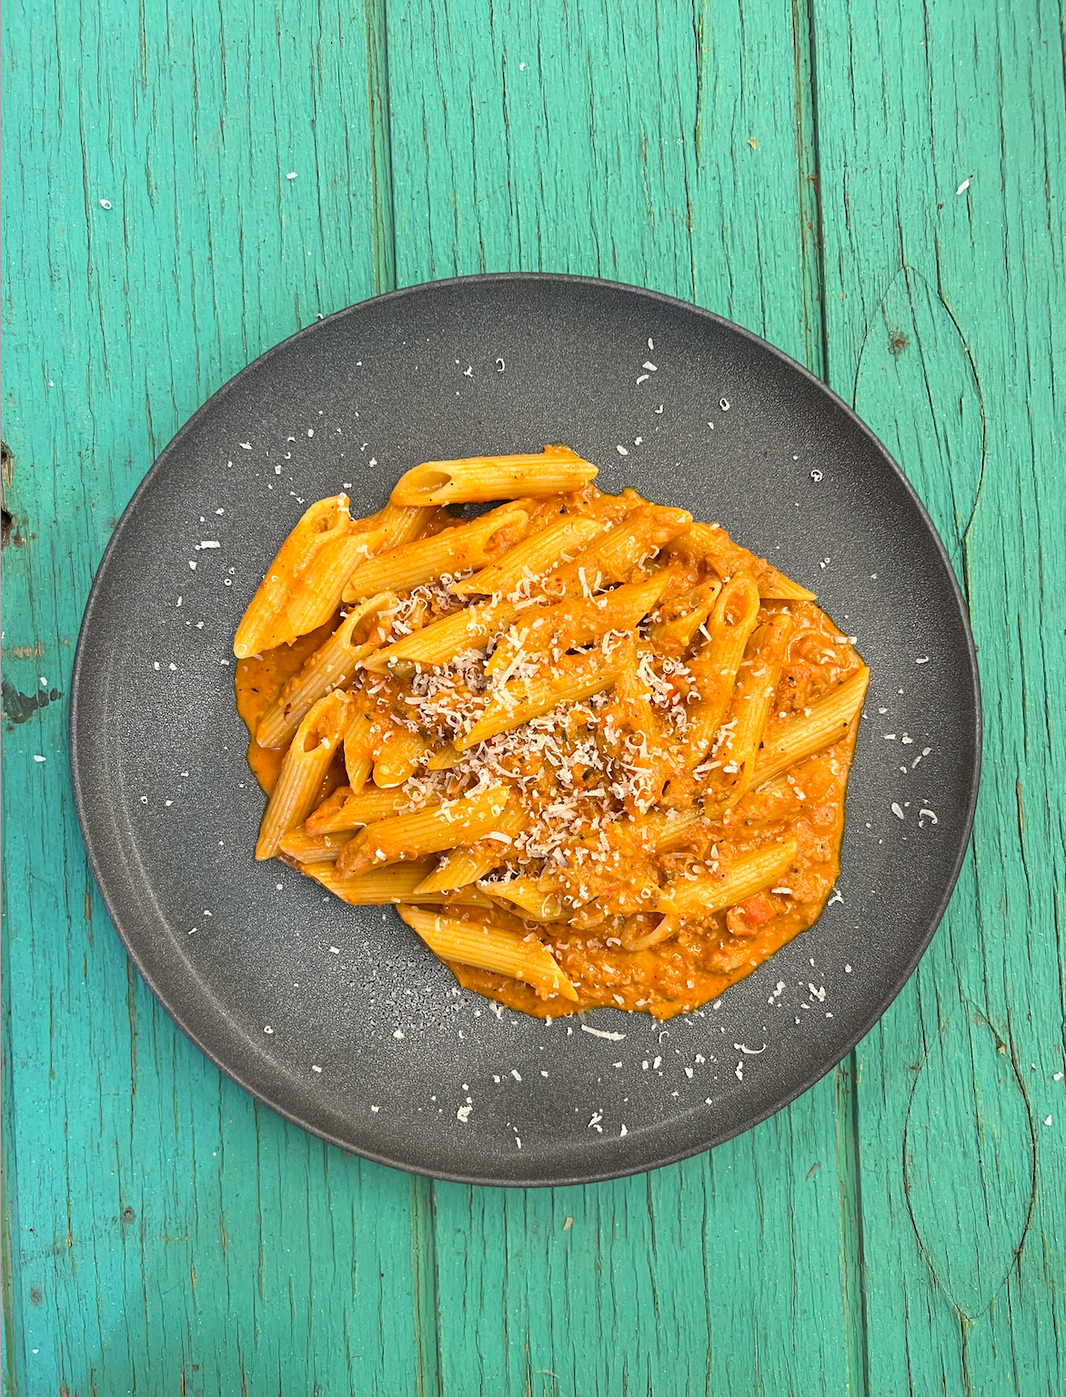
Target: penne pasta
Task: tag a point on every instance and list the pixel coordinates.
(404, 523)
(459, 869)
(480, 478)
(359, 738)
(537, 631)
(526, 561)
(663, 830)
(775, 586)
(512, 704)
(303, 585)
(732, 622)
(442, 640)
(614, 555)
(445, 759)
(393, 884)
(349, 810)
(674, 637)
(629, 735)
(330, 667)
(532, 901)
(491, 948)
(463, 866)
(426, 559)
(303, 770)
(312, 848)
(748, 875)
(428, 831)
(751, 705)
(400, 756)
(826, 722)
(713, 545)
(578, 733)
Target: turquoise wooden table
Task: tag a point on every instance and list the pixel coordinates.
(874, 186)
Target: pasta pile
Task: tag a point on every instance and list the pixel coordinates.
(594, 751)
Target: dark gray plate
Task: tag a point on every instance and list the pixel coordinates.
(271, 977)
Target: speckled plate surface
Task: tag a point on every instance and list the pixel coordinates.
(337, 1017)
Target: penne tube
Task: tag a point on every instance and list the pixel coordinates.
(333, 665)
(775, 586)
(491, 948)
(747, 875)
(469, 896)
(303, 769)
(428, 831)
(405, 523)
(732, 622)
(463, 866)
(615, 554)
(445, 759)
(674, 637)
(629, 735)
(576, 677)
(459, 869)
(303, 585)
(660, 831)
(531, 900)
(312, 848)
(348, 810)
(480, 478)
(751, 705)
(712, 545)
(400, 756)
(803, 736)
(638, 797)
(393, 884)
(426, 559)
(400, 525)
(442, 640)
(580, 621)
(535, 555)
(358, 749)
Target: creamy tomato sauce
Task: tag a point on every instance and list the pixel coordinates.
(259, 679)
(701, 962)
(587, 841)
(698, 964)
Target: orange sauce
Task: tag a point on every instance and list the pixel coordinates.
(258, 681)
(709, 953)
(700, 963)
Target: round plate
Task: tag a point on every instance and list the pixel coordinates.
(338, 1017)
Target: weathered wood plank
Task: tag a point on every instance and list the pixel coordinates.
(722, 1274)
(941, 157)
(609, 142)
(621, 148)
(161, 1223)
(616, 143)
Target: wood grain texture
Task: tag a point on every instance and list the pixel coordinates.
(165, 1232)
(607, 141)
(900, 1228)
(944, 299)
(670, 148)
